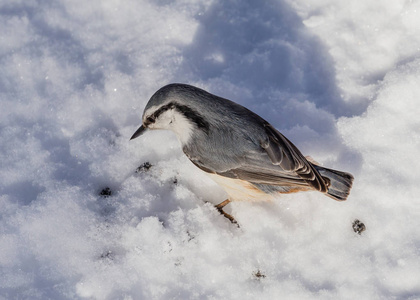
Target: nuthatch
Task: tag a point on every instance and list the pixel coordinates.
(241, 151)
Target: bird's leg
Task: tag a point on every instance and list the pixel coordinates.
(226, 215)
(222, 204)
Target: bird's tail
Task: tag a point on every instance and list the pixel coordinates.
(339, 183)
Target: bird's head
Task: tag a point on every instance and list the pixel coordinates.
(168, 109)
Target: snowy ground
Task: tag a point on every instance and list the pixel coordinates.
(339, 78)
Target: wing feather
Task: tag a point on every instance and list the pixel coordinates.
(292, 159)
(277, 162)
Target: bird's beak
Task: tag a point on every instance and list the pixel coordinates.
(138, 132)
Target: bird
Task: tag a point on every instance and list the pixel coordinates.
(238, 149)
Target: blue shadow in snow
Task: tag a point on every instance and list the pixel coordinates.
(264, 47)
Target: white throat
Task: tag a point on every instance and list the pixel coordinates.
(182, 127)
(177, 122)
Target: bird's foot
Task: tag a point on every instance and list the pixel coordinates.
(222, 204)
(226, 215)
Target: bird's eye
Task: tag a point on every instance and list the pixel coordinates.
(150, 120)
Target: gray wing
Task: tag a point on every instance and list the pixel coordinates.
(283, 153)
(277, 163)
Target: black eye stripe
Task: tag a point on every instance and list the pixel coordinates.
(152, 118)
(193, 116)
(161, 110)
(183, 109)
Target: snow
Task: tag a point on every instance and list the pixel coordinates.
(338, 78)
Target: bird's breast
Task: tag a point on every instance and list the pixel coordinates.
(240, 190)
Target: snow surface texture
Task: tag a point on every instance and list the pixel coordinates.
(339, 78)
